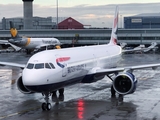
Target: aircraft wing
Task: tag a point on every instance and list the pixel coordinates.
(5, 42)
(137, 49)
(22, 66)
(152, 46)
(15, 47)
(120, 69)
(142, 49)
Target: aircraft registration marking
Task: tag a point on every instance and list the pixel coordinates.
(49, 41)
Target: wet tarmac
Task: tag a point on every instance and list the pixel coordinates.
(84, 101)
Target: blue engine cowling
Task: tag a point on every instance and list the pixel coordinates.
(125, 83)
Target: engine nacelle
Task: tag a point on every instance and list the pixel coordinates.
(21, 86)
(125, 83)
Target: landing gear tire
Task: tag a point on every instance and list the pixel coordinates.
(44, 106)
(54, 96)
(48, 106)
(61, 91)
(120, 98)
(61, 94)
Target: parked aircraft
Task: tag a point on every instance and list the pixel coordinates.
(51, 70)
(30, 43)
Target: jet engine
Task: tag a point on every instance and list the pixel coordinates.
(125, 83)
(21, 86)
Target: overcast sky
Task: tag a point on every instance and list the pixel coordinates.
(97, 13)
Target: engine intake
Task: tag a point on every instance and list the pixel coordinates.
(21, 86)
(125, 83)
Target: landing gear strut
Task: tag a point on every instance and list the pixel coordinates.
(46, 105)
(120, 98)
(61, 96)
(113, 92)
(113, 95)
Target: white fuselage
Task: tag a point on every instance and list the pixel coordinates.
(71, 66)
(32, 43)
(38, 42)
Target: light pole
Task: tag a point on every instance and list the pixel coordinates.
(121, 21)
(57, 14)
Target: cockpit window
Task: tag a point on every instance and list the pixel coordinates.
(52, 65)
(39, 66)
(30, 66)
(47, 66)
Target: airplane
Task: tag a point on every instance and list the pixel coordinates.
(30, 43)
(52, 70)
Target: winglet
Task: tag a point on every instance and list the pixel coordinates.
(113, 39)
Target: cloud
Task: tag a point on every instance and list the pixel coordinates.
(11, 10)
(96, 16)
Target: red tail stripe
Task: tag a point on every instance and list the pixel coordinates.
(115, 21)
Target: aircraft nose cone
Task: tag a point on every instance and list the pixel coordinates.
(35, 80)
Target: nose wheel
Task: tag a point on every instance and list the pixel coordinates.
(46, 105)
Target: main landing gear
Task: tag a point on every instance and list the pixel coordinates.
(113, 92)
(46, 105)
(60, 98)
(113, 95)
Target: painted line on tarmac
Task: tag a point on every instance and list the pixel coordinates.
(17, 113)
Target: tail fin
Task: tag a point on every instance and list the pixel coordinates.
(13, 30)
(113, 39)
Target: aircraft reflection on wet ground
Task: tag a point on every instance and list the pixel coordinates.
(85, 101)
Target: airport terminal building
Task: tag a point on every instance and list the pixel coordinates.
(142, 21)
(37, 22)
(138, 29)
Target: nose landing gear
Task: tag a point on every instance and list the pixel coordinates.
(46, 105)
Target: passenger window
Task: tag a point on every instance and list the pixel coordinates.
(39, 66)
(47, 66)
(30, 66)
(52, 65)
